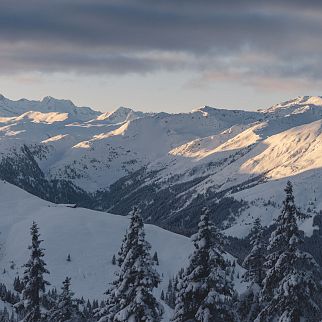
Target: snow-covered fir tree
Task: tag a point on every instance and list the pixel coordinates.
(170, 297)
(249, 306)
(17, 284)
(254, 261)
(130, 297)
(125, 246)
(172, 289)
(291, 290)
(205, 290)
(66, 308)
(34, 282)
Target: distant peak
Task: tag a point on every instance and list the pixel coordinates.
(314, 100)
(301, 100)
(204, 108)
(47, 99)
(123, 109)
(50, 99)
(296, 102)
(298, 105)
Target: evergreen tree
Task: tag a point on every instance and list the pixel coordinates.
(130, 296)
(162, 296)
(113, 260)
(170, 297)
(205, 290)
(17, 284)
(88, 311)
(156, 258)
(291, 291)
(249, 306)
(66, 308)
(33, 280)
(254, 261)
(125, 246)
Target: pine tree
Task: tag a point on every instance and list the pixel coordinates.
(33, 280)
(17, 284)
(162, 296)
(170, 294)
(125, 247)
(130, 296)
(254, 261)
(249, 306)
(113, 260)
(206, 291)
(156, 258)
(66, 308)
(88, 311)
(291, 291)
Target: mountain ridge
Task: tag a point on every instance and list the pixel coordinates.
(169, 164)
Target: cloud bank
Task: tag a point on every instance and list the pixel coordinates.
(247, 41)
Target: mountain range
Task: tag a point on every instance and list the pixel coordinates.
(235, 162)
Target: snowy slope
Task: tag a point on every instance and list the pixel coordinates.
(90, 237)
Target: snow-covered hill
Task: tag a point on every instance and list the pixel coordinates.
(90, 237)
(170, 165)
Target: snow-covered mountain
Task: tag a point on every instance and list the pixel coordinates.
(170, 165)
(120, 115)
(49, 104)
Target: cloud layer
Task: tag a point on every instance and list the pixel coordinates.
(248, 41)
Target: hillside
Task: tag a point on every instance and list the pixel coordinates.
(90, 237)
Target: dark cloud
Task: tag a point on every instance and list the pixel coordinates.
(145, 25)
(278, 39)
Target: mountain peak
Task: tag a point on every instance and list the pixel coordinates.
(296, 104)
(313, 100)
(122, 109)
(48, 104)
(53, 100)
(302, 100)
(122, 114)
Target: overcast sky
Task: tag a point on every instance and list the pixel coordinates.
(161, 55)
